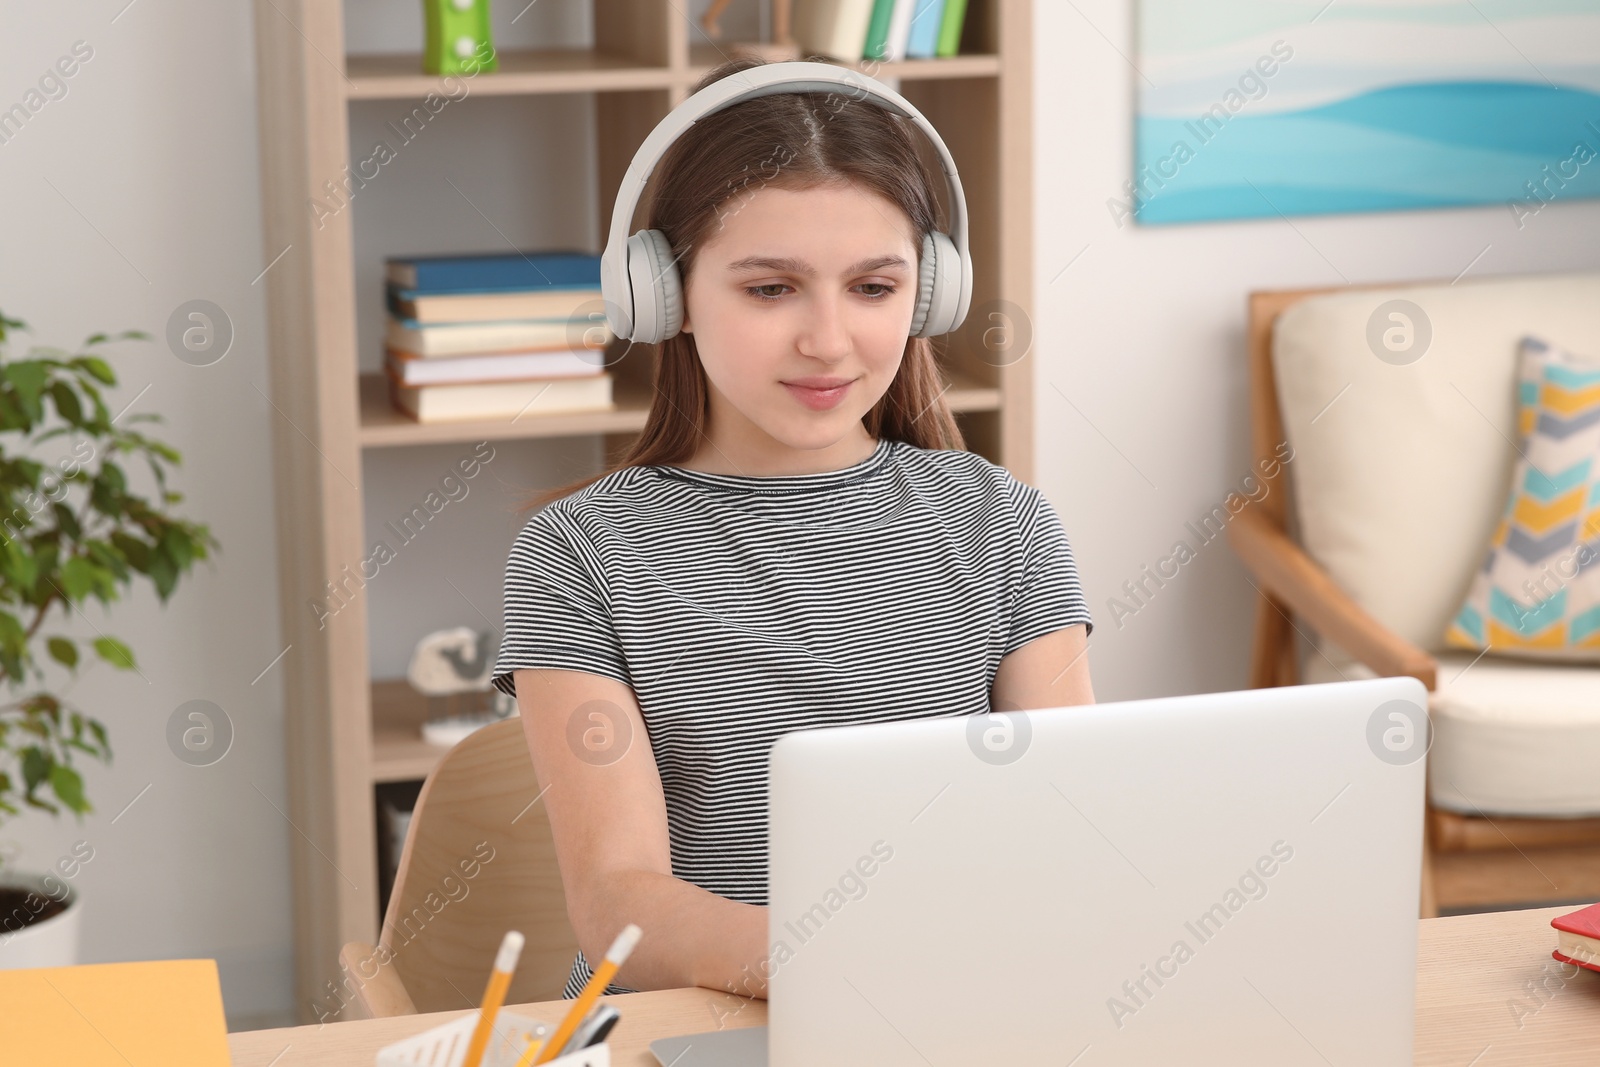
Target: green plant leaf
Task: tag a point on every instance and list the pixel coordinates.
(35, 767)
(45, 554)
(111, 560)
(78, 578)
(68, 785)
(11, 416)
(135, 551)
(20, 566)
(63, 651)
(99, 731)
(163, 573)
(28, 377)
(175, 542)
(66, 402)
(114, 652)
(109, 488)
(99, 368)
(67, 521)
(29, 471)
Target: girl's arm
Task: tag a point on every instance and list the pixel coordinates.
(1051, 671)
(608, 816)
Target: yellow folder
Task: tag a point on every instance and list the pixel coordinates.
(162, 1013)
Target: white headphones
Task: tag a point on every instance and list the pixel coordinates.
(639, 279)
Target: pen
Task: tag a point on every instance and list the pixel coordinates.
(615, 955)
(505, 962)
(592, 1030)
(603, 1028)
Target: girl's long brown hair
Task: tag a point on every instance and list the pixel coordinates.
(808, 139)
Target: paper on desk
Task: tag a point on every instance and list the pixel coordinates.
(160, 1013)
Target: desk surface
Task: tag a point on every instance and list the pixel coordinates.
(1475, 1005)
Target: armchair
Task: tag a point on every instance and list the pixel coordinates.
(1367, 540)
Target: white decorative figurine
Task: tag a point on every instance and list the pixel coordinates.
(445, 667)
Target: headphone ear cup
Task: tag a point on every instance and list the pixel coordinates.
(939, 292)
(927, 276)
(657, 289)
(668, 285)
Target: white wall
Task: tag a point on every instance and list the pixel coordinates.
(1139, 354)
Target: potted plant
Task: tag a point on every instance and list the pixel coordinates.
(72, 530)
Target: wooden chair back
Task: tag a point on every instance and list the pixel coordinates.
(1274, 659)
(1266, 421)
(479, 860)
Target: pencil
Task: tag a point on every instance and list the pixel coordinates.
(529, 1053)
(505, 962)
(615, 956)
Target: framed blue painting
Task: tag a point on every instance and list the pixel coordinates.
(1251, 108)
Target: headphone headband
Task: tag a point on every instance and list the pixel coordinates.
(762, 80)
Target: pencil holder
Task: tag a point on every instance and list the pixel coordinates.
(446, 1046)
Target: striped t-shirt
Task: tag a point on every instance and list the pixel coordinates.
(740, 608)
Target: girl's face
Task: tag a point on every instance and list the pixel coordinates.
(800, 303)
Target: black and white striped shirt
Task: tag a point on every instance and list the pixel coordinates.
(740, 608)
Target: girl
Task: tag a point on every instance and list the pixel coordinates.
(797, 539)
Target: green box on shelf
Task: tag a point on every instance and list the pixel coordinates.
(458, 37)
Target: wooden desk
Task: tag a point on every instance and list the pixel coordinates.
(1474, 1006)
(1474, 976)
(645, 1017)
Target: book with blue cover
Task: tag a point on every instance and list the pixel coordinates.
(925, 24)
(493, 273)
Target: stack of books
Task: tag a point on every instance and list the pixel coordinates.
(496, 336)
(885, 30)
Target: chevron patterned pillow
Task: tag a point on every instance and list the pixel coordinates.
(1538, 591)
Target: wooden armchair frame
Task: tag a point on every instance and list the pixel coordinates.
(1468, 860)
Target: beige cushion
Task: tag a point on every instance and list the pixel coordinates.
(1398, 484)
(1510, 737)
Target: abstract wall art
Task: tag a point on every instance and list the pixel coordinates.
(1250, 108)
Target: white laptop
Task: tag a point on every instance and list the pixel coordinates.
(1216, 879)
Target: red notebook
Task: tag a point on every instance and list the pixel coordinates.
(1578, 937)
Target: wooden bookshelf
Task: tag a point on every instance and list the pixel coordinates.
(346, 733)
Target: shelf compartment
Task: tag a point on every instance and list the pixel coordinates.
(384, 427)
(552, 70)
(399, 754)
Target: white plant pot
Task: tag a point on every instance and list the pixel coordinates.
(51, 943)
